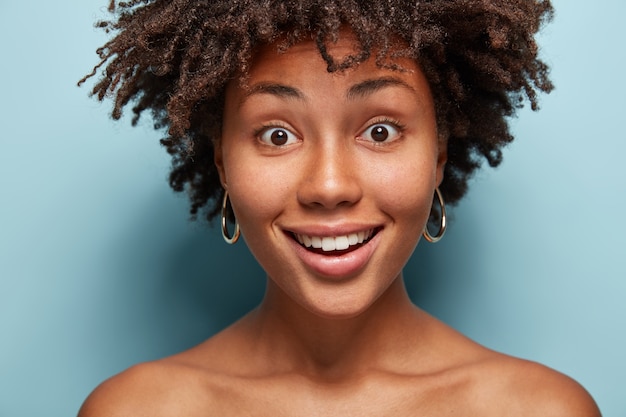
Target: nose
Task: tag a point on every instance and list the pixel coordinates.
(330, 178)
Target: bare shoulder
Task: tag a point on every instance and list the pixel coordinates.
(527, 388)
(161, 388)
(484, 383)
(196, 382)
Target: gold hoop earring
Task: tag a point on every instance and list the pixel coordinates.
(235, 237)
(442, 227)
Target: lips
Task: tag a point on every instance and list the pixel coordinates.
(335, 243)
(335, 255)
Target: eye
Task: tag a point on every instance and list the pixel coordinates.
(277, 136)
(382, 132)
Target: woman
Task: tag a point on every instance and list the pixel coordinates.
(330, 133)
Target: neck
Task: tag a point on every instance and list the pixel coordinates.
(334, 348)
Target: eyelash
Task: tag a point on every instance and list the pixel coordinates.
(258, 133)
(386, 121)
(382, 121)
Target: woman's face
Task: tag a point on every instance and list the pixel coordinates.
(331, 176)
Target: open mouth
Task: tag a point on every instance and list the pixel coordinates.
(335, 245)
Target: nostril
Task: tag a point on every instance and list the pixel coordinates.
(331, 192)
(331, 175)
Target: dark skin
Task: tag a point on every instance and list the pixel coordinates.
(336, 333)
(172, 59)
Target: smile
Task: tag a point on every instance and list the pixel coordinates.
(335, 243)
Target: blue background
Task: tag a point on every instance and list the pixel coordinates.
(100, 267)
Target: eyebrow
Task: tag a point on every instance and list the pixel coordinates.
(274, 89)
(369, 87)
(359, 90)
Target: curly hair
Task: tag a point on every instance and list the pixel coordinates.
(175, 57)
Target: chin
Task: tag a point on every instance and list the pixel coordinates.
(335, 307)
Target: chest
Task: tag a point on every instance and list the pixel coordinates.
(402, 397)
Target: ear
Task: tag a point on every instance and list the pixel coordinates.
(218, 159)
(442, 158)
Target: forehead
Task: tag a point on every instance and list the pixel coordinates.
(302, 64)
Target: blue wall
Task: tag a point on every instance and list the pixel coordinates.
(99, 267)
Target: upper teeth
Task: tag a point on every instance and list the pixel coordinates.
(330, 243)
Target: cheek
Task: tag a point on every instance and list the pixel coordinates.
(257, 191)
(405, 189)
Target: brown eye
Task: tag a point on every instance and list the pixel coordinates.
(277, 136)
(382, 132)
